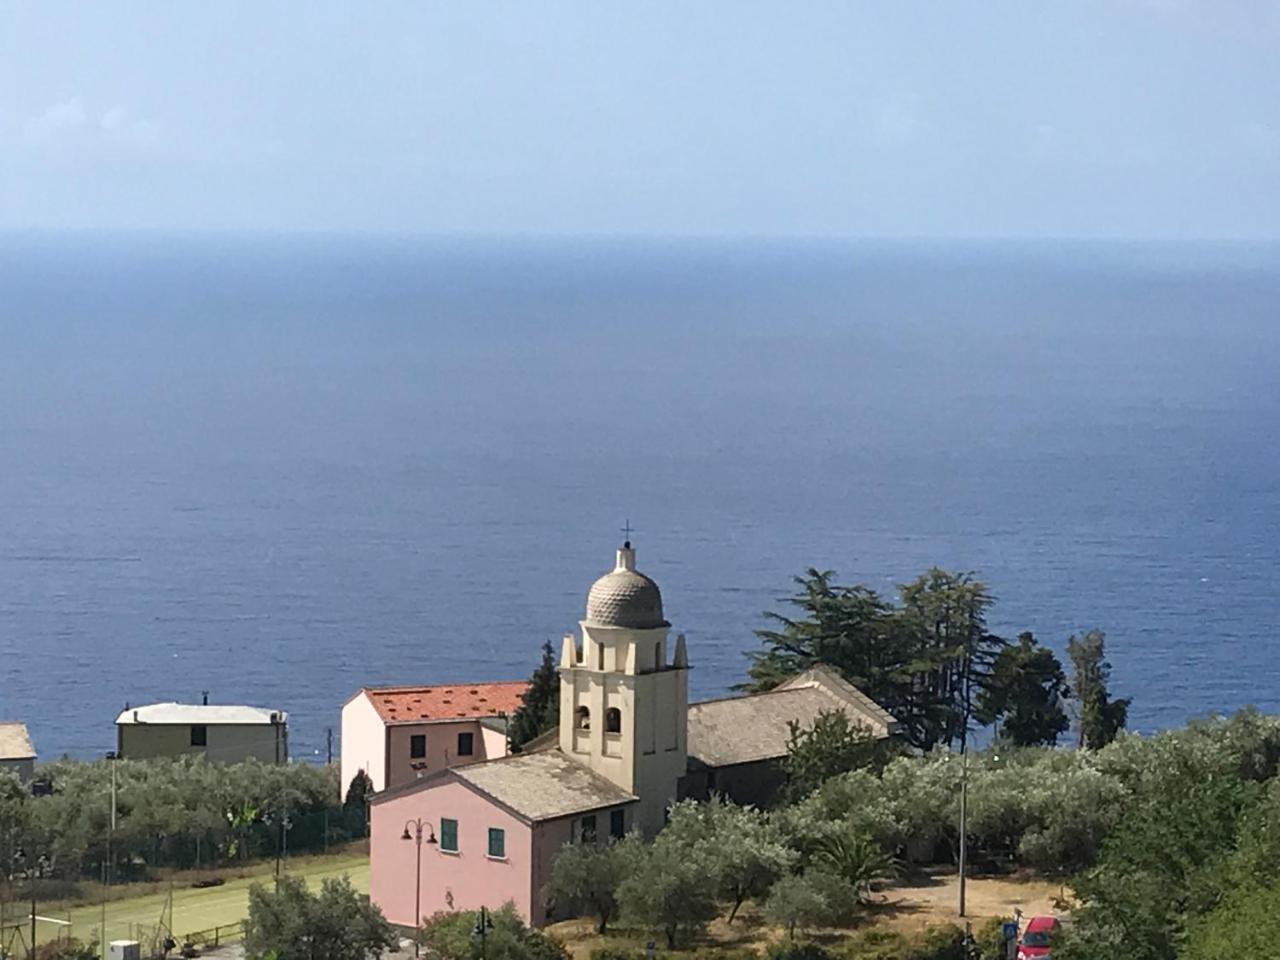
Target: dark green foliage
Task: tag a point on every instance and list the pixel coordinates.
(830, 746)
(923, 661)
(358, 791)
(452, 936)
(946, 619)
(540, 709)
(184, 813)
(587, 876)
(668, 890)
(802, 950)
(855, 858)
(291, 923)
(1101, 718)
(939, 943)
(1164, 862)
(809, 901)
(69, 949)
(1024, 694)
(1247, 924)
(740, 848)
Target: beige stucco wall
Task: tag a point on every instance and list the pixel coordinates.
(649, 755)
(226, 743)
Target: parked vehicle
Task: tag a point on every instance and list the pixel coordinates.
(1035, 941)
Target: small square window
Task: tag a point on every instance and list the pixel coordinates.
(497, 843)
(587, 829)
(617, 824)
(466, 744)
(200, 736)
(448, 835)
(417, 746)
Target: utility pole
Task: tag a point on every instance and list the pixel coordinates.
(329, 737)
(964, 803)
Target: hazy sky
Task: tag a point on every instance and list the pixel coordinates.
(1117, 118)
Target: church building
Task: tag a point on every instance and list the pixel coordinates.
(486, 832)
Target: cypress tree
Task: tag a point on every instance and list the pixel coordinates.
(540, 710)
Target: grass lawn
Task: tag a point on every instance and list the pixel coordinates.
(193, 909)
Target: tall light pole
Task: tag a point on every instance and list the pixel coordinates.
(964, 804)
(419, 825)
(107, 870)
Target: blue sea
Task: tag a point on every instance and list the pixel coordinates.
(280, 468)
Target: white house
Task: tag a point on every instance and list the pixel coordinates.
(228, 734)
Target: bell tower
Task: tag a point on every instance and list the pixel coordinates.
(624, 696)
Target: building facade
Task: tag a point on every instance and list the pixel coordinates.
(399, 734)
(223, 733)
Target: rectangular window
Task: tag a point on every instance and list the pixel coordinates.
(448, 835)
(466, 744)
(497, 843)
(417, 746)
(617, 824)
(200, 736)
(587, 829)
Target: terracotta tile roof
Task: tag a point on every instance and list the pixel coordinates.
(446, 701)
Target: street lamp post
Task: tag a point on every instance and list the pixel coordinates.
(108, 866)
(34, 867)
(482, 928)
(419, 826)
(964, 826)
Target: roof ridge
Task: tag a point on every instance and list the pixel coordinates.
(439, 686)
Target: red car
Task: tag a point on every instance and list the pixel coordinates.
(1034, 944)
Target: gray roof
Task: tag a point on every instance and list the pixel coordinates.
(757, 727)
(625, 597)
(207, 714)
(533, 786)
(15, 742)
(542, 786)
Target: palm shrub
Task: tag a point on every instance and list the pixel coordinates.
(856, 859)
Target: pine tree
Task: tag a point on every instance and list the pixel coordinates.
(540, 710)
(1101, 718)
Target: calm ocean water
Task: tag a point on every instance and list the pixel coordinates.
(278, 469)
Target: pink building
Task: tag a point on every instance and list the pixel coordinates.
(497, 827)
(399, 734)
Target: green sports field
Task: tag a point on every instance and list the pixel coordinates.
(193, 909)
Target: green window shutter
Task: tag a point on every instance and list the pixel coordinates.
(497, 843)
(448, 834)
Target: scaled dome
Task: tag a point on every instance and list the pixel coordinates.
(625, 597)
